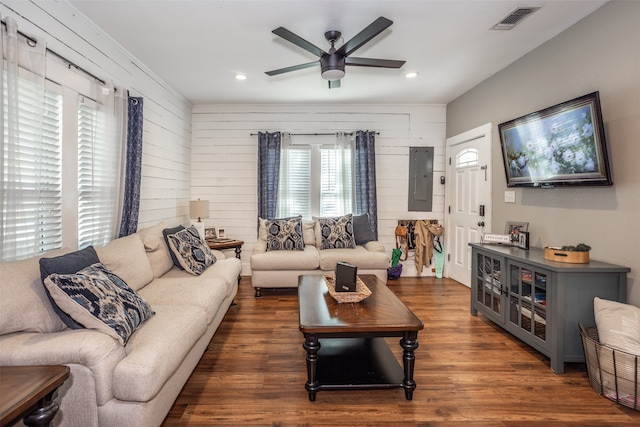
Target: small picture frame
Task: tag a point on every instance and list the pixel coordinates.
(514, 228)
(221, 234)
(523, 240)
(210, 233)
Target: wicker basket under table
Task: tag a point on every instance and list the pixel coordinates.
(613, 373)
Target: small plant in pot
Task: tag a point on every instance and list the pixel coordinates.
(580, 247)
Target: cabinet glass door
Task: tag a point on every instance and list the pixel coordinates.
(488, 283)
(528, 300)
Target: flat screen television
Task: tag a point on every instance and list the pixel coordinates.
(558, 146)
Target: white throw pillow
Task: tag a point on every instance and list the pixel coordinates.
(618, 325)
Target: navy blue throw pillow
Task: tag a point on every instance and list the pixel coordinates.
(169, 232)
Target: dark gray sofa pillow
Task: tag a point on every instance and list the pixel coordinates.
(69, 263)
(168, 232)
(362, 230)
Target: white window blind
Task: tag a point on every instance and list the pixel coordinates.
(96, 177)
(313, 182)
(34, 170)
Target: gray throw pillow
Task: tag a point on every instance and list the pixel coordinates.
(98, 299)
(67, 264)
(337, 232)
(169, 232)
(284, 234)
(362, 230)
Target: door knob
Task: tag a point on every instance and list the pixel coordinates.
(481, 224)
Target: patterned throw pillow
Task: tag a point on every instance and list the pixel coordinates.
(98, 299)
(191, 252)
(337, 232)
(169, 232)
(284, 234)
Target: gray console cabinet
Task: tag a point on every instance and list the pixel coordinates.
(541, 302)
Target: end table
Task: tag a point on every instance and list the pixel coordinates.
(220, 244)
(29, 392)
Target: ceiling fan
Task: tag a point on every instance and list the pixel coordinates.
(332, 63)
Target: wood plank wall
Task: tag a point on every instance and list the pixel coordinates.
(166, 171)
(224, 158)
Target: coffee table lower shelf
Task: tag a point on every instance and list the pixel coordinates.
(355, 364)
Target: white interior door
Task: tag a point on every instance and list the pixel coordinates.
(467, 195)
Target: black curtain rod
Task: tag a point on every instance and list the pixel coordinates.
(69, 63)
(312, 134)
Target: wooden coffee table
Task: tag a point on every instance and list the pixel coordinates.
(345, 342)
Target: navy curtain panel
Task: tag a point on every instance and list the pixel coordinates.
(133, 169)
(365, 179)
(268, 173)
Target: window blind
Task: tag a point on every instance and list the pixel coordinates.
(33, 168)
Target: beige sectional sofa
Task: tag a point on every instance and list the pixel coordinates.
(113, 384)
(281, 268)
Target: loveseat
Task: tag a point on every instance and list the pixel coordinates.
(320, 247)
(115, 384)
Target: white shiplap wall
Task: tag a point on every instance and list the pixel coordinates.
(166, 172)
(224, 158)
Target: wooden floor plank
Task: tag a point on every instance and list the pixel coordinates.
(469, 372)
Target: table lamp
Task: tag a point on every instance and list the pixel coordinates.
(199, 209)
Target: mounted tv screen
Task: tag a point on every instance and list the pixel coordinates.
(558, 146)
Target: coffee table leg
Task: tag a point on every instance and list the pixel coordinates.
(312, 346)
(409, 343)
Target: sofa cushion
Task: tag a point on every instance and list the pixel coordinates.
(191, 251)
(157, 250)
(206, 293)
(362, 230)
(618, 325)
(67, 264)
(358, 256)
(166, 233)
(24, 304)
(284, 234)
(155, 351)
(98, 299)
(336, 232)
(286, 260)
(127, 258)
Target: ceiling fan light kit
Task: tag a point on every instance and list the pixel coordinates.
(333, 63)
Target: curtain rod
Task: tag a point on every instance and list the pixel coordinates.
(312, 134)
(69, 63)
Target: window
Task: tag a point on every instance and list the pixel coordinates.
(315, 179)
(37, 159)
(63, 150)
(467, 157)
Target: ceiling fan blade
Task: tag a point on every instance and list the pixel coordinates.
(375, 28)
(292, 68)
(298, 41)
(370, 62)
(334, 84)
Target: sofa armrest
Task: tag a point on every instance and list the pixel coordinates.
(99, 352)
(374, 246)
(218, 254)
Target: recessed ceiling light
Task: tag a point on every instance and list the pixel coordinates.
(240, 77)
(411, 74)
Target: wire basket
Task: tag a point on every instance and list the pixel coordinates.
(613, 373)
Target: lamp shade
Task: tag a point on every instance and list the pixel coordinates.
(199, 209)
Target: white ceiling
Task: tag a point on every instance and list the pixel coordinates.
(198, 46)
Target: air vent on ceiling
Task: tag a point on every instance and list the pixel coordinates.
(514, 17)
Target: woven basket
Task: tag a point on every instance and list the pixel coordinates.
(360, 294)
(613, 374)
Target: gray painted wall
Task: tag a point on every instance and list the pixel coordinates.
(600, 53)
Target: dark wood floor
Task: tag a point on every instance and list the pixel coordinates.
(469, 373)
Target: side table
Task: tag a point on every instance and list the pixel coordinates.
(29, 392)
(220, 244)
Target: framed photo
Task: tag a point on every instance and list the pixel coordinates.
(523, 240)
(221, 234)
(210, 233)
(514, 228)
